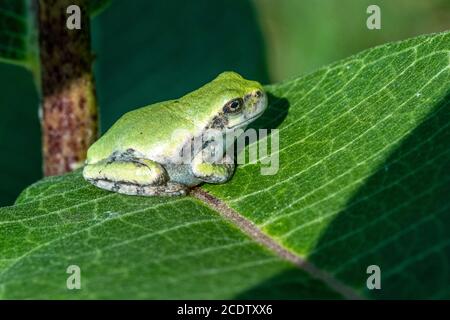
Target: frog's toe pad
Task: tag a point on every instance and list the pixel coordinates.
(169, 189)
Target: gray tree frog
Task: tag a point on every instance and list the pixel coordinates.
(136, 156)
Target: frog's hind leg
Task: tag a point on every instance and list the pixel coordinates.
(133, 177)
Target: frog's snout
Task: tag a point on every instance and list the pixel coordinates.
(260, 104)
(255, 105)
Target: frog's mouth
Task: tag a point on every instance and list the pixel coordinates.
(246, 122)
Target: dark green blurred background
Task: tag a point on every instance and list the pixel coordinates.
(155, 50)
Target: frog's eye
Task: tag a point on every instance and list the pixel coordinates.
(233, 106)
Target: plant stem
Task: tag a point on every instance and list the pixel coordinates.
(69, 111)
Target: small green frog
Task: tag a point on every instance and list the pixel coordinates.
(137, 155)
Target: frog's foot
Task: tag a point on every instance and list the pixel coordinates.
(133, 177)
(212, 172)
(169, 189)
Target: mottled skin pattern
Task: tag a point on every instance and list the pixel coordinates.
(136, 155)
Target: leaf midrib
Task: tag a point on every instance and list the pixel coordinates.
(255, 233)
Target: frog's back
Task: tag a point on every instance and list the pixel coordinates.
(149, 131)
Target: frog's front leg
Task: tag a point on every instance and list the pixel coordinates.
(215, 172)
(132, 176)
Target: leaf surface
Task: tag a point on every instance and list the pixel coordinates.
(19, 32)
(131, 248)
(18, 38)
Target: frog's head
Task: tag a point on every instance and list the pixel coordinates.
(236, 101)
